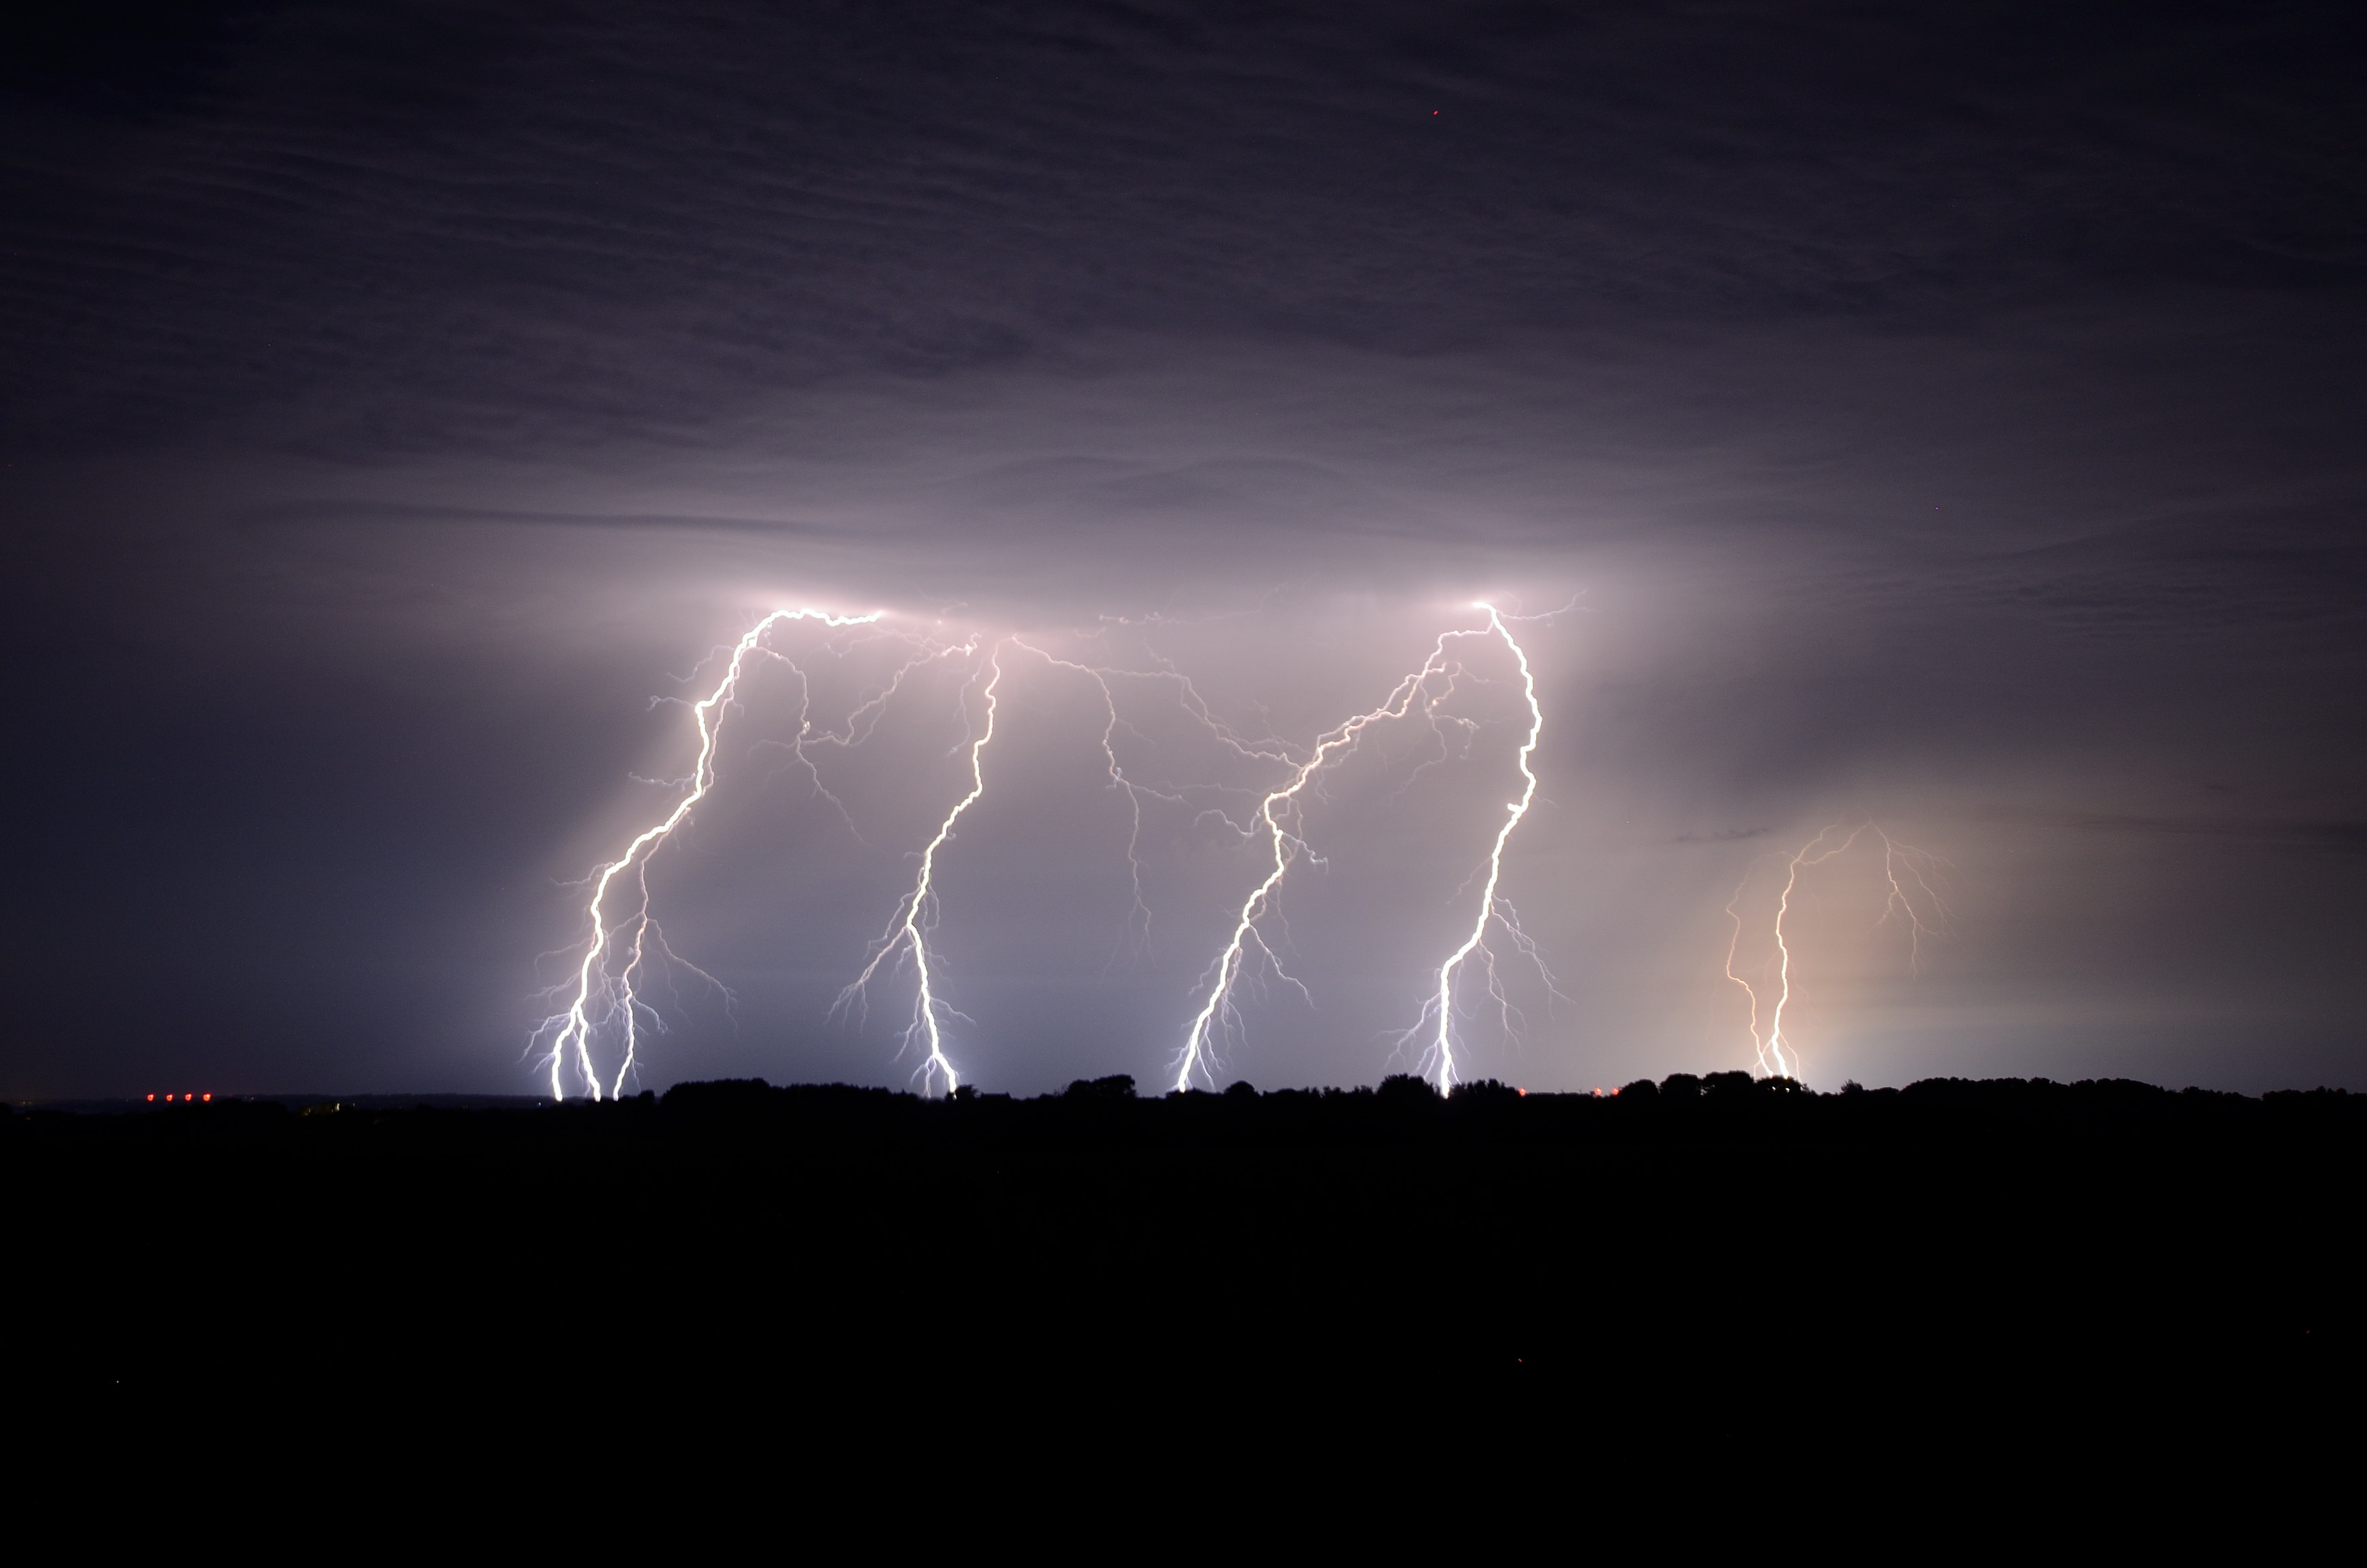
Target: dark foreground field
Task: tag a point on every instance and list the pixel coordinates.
(832, 1233)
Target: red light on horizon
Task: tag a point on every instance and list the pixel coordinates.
(152, 1099)
(209, 1099)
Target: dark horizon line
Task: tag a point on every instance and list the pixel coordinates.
(1121, 1086)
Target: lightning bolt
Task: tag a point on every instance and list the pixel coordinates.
(600, 997)
(1135, 934)
(1280, 815)
(1904, 868)
(915, 917)
(860, 721)
(610, 978)
(1217, 1015)
(1438, 1061)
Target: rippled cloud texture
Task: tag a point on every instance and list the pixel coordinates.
(1953, 425)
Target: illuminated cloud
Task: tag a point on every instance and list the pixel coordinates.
(1947, 425)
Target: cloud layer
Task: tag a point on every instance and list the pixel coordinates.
(1954, 424)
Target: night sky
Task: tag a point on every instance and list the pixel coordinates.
(1946, 418)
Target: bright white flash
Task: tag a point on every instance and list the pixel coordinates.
(601, 998)
(1908, 871)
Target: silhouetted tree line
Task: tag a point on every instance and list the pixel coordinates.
(1401, 1108)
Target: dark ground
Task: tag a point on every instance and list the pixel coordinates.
(837, 1235)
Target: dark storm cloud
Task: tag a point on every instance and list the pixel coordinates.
(1952, 419)
(438, 223)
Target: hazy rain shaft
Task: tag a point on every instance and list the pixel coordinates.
(1933, 438)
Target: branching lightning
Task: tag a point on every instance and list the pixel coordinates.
(1438, 1059)
(603, 1018)
(1135, 934)
(601, 998)
(915, 917)
(1281, 817)
(1908, 872)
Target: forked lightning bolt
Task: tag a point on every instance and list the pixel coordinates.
(1135, 934)
(1438, 1061)
(1281, 814)
(606, 1000)
(599, 996)
(915, 917)
(1909, 872)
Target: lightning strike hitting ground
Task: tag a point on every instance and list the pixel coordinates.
(1281, 814)
(909, 927)
(1903, 867)
(600, 997)
(1217, 1015)
(1438, 1061)
(607, 1000)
